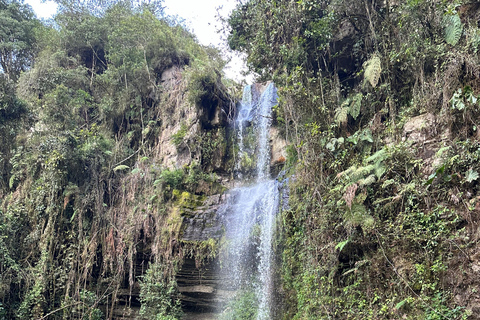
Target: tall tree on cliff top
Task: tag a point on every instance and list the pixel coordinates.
(17, 37)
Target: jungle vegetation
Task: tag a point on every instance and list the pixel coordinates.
(381, 224)
(82, 104)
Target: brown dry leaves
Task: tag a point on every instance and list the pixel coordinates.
(350, 194)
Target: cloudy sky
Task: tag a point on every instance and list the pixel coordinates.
(199, 15)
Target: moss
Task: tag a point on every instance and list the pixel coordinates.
(247, 163)
(177, 137)
(186, 202)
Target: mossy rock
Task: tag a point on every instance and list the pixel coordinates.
(187, 202)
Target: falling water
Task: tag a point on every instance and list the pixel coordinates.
(244, 115)
(250, 211)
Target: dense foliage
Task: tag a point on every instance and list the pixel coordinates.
(381, 221)
(379, 102)
(17, 37)
(82, 187)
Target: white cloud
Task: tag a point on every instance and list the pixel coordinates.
(44, 10)
(201, 18)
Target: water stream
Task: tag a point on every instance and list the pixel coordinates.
(250, 210)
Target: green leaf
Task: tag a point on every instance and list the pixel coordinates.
(356, 105)
(430, 179)
(341, 245)
(73, 215)
(378, 156)
(453, 29)
(471, 175)
(120, 168)
(373, 69)
(341, 115)
(400, 304)
(380, 169)
(441, 151)
(366, 135)
(330, 145)
(11, 181)
(367, 181)
(472, 99)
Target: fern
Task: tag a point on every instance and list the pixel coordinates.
(351, 106)
(367, 181)
(11, 182)
(346, 174)
(367, 169)
(358, 174)
(453, 29)
(355, 106)
(120, 168)
(379, 169)
(370, 173)
(373, 68)
(341, 114)
(358, 216)
(380, 155)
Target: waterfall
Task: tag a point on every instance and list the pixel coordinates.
(250, 210)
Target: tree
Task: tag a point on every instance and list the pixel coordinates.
(17, 37)
(12, 113)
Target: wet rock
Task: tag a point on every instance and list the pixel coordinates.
(204, 223)
(278, 147)
(200, 287)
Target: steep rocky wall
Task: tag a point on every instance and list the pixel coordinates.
(184, 225)
(187, 124)
(199, 279)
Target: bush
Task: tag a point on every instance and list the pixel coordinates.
(158, 295)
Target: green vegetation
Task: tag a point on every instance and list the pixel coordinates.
(86, 196)
(379, 102)
(242, 307)
(383, 208)
(156, 295)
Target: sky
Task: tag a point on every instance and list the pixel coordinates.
(200, 17)
(43, 10)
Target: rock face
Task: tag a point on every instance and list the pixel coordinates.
(278, 151)
(204, 223)
(421, 132)
(419, 129)
(200, 283)
(198, 286)
(186, 125)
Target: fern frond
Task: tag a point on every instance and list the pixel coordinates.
(373, 68)
(346, 103)
(453, 29)
(368, 169)
(347, 172)
(358, 174)
(358, 216)
(355, 106)
(341, 115)
(367, 181)
(380, 169)
(378, 156)
(368, 222)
